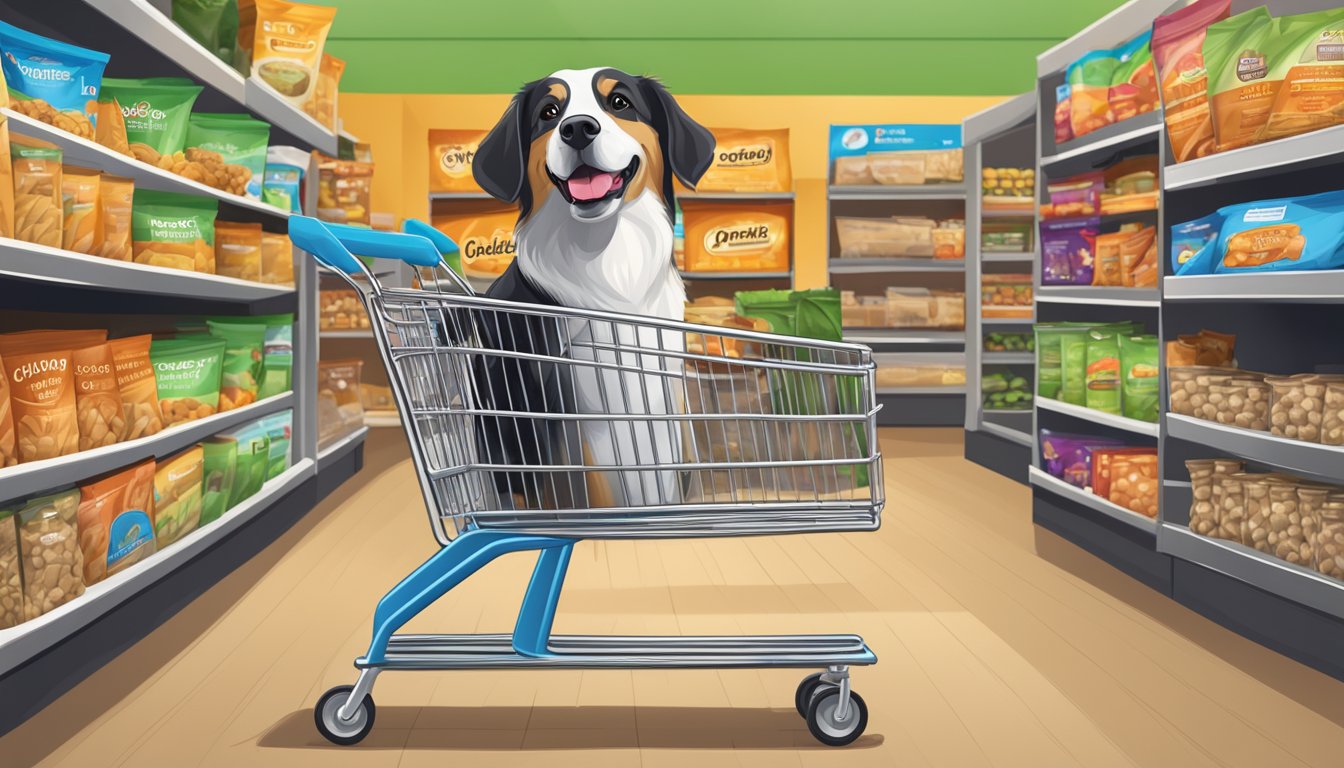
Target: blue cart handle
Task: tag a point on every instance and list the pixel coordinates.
(333, 244)
(442, 242)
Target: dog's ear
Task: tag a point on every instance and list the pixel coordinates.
(500, 165)
(688, 147)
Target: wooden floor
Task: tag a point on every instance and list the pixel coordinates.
(998, 645)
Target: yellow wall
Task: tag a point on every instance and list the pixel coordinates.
(397, 126)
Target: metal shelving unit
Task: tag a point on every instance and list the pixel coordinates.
(1075, 495)
(1109, 420)
(878, 266)
(1097, 295)
(1306, 287)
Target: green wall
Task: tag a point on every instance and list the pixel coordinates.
(859, 47)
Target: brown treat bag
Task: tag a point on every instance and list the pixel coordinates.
(53, 566)
(82, 230)
(1134, 252)
(37, 193)
(238, 250)
(277, 259)
(1215, 348)
(6, 181)
(139, 391)
(102, 417)
(111, 129)
(9, 455)
(42, 394)
(114, 203)
(120, 504)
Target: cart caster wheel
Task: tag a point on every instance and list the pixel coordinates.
(336, 730)
(810, 685)
(822, 723)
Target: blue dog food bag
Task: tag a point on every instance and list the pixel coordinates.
(52, 81)
(1189, 239)
(1295, 233)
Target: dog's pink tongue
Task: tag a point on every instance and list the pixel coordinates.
(592, 187)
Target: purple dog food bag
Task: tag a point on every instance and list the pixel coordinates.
(1069, 457)
(1067, 246)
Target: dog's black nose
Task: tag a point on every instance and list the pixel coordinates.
(579, 131)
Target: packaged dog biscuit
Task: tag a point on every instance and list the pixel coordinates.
(178, 498)
(101, 414)
(749, 161)
(82, 229)
(1237, 54)
(54, 82)
(1284, 234)
(1310, 63)
(116, 521)
(38, 209)
(737, 238)
(287, 46)
(1134, 83)
(135, 379)
(451, 153)
(114, 203)
(187, 374)
(1177, 44)
(174, 231)
(238, 250)
(53, 565)
(486, 240)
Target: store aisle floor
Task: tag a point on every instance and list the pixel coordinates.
(999, 646)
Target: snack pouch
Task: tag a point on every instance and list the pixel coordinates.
(451, 153)
(242, 362)
(736, 238)
(1106, 267)
(278, 428)
(39, 213)
(82, 230)
(187, 376)
(1069, 457)
(1237, 54)
(1063, 115)
(9, 454)
(1103, 372)
(1188, 238)
(6, 178)
(1134, 84)
(486, 240)
(323, 104)
(53, 566)
(1140, 377)
(277, 259)
(54, 82)
(116, 521)
(287, 47)
(42, 398)
(1177, 44)
(1067, 247)
(1310, 62)
(114, 207)
(173, 230)
(239, 140)
(238, 250)
(135, 379)
(111, 130)
(1089, 81)
(1292, 233)
(220, 464)
(156, 112)
(212, 23)
(178, 498)
(101, 415)
(278, 356)
(254, 456)
(748, 160)
(1138, 251)
(11, 572)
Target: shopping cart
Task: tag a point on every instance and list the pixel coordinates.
(702, 432)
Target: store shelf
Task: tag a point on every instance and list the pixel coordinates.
(1109, 139)
(895, 336)
(1007, 214)
(1307, 287)
(1259, 160)
(1097, 417)
(460, 196)
(957, 389)
(382, 419)
(916, 407)
(23, 642)
(361, 333)
(1325, 462)
(874, 266)
(1292, 582)
(54, 265)
(341, 446)
(1040, 479)
(1000, 257)
(1008, 358)
(735, 196)
(1008, 433)
(879, 192)
(736, 275)
(77, 151)
(39, 476)
(1008, 320)
(1089, 294)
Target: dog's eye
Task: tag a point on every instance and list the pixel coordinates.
(550, 112)
(618, 102)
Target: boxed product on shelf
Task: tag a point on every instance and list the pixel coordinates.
(737, 237)
(863, 311)
(895, 154)
(1008, 189)
(178, 482)
(1103, 467)
(1223, 395)
(1177, 44)
(339, 408)
(340, 309)
(923, 308)
(485, 239)
(1003, 390)
(451, 153)
(231, 150)
(118, 507)
(187, 375)
(1204, 348)
(54, 82)
(1061, 357)
(1134, 482)
(920, 374)
(376, 397)
(1074, 196)
(1069, 456)
(1205, 476)
(287, 44)
(1067, 248)
(749, 160)
(282, 179)
(1006, 296)
(1011, 341)
(1006, 236)
(1298, 404)
(343, 191)
(52, 563)
(1130, 186)
(885, 238)
(1190, 238)
(38, 205)
(173, 230)
(11, 571)
(949, 239)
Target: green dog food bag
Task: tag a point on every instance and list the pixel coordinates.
(277, 362)
(1140, 377)
(1102, 377)
(187, 373)
(254, 455)
(157, 112)
(221, 465)
(244, 345)
(239, 139)
(51, 81)
(173, 230)
(279, 427)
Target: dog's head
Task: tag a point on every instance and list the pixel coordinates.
(591, 140)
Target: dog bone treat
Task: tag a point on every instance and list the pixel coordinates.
(51, 81)
(187, 374)
(451, 153)
(116, 521)
(731, 238)
(38, 206)
(1134, 483)
(287, 46)
(1328, 553)
(11, 579)
(82, 230)
(114, 202)
(42, 397)
(1203, 519)
(177, 495)
(102, 417)
(53, 566)
(173, 230)
(1298, 407)
(155, 112)
(135, 379)
(749, 161)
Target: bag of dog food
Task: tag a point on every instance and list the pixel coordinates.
(238, 250)
(38, 204)
(1140, 378)
(1134, 84)
(244, 344)
(114, 206)
(241, 145)
(54, 82)
(212, 23)
(277, 259)
(277, 361)
(187, 376)
(116, 521)
(749, 161)
(41, 384)
(486, 240)
(451, 153)
(1103, 372)
(1310, 62)
(1237, 54)
(323, 104)
(82, 229)
(102, 417)
(287, 46)
(737, 238)
(156, 112)
(135, 379)
(1177, 44)
(174, 231)
(1279, 235)
(178, 498)
(1089, 81)
(53, 566)
(220, 464)
(1138, 256)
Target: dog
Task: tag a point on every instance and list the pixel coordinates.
(589, 157)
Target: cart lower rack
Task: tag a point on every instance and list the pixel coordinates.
(533, 427)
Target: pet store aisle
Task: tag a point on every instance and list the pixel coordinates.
(998, 646)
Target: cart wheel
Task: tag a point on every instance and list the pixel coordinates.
(336, 730)
(803, 695)
(829, 731)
